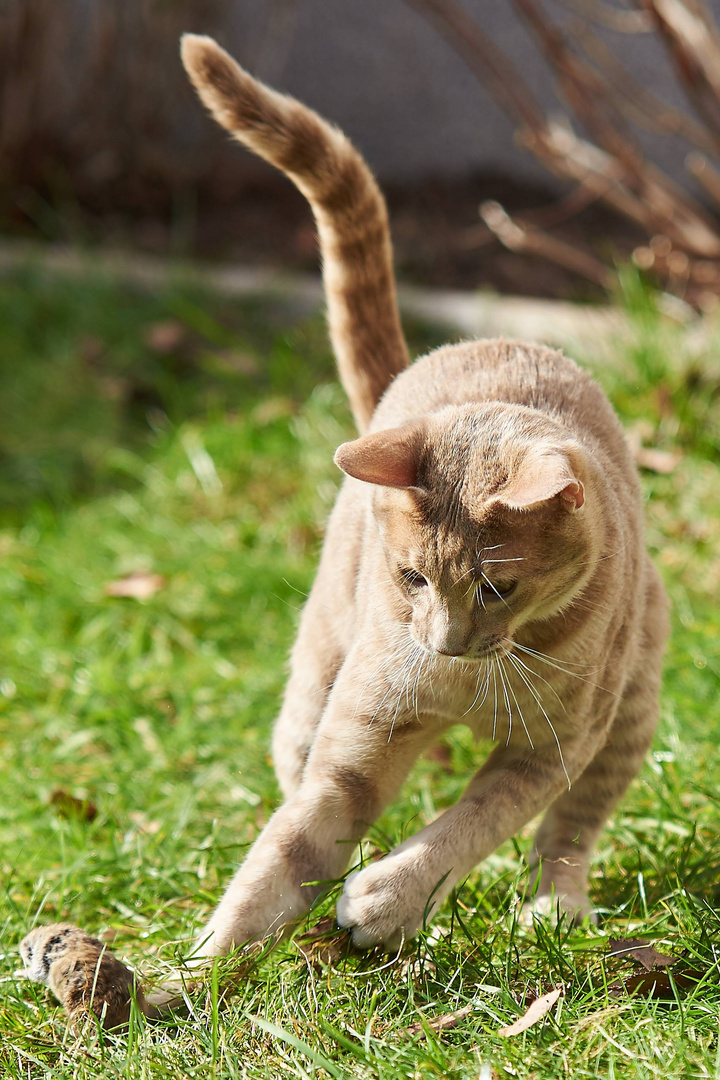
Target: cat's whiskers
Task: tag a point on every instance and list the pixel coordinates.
(383, 662)
(531, 671)
(499, 595)
(495, 695)
(415, 666)
(387, 660)
(518, 558)
(404, 679)
(479, 689)
(612, 554)
(553, 662)
(416, 684)
(506, 676)
(564, 665)
(536, 694)
(506, 696)
(386, 695)
(470, 571)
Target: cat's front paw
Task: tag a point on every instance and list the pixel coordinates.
(387, 902)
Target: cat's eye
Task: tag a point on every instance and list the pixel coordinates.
(412, 578)
(495, 591)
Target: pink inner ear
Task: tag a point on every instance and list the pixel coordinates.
(541, 478)
(574, 495)
(389, 458)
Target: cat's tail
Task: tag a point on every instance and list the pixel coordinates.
(349, 211)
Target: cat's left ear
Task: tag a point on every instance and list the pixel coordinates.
(389, 458)
(541, 478)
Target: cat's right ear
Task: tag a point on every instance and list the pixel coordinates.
(389, 458)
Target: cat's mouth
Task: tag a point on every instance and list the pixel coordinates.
(490, 650)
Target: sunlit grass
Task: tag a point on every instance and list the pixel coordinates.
(159, 711)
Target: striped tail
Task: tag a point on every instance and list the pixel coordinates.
(349, 211)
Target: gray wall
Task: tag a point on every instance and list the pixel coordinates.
(93, 89)
(382, 73)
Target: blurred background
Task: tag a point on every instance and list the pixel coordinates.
(102, 140)
(168, 416)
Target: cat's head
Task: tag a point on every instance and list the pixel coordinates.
(483, 518)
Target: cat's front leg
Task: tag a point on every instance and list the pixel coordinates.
(392, 899)
(353, 771)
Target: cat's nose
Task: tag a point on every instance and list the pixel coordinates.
(452, 652)
(450, 637)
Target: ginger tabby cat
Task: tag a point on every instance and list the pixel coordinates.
(484, 564)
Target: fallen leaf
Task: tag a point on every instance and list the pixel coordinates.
(144, 824)
(232, 360)
(91, 348)
(114, 388)
(68, 805)
(440, 752)
(165, 336)
(647, 457)
(658, 461)
(540, 1007)
(323, 944)
(417, 969)
(274, 408)
(140, 585)
(658, 983)
(642, 951)
(441, 1023)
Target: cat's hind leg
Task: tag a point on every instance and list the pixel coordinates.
(566, 838)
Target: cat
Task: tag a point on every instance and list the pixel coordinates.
(484, 564)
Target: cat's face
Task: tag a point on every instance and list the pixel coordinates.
(491, 533)
(466, 585)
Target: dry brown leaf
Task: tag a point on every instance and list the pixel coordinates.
(440, 752)
(648, 457)
(540, 1007)
(658, 461)
(323, 944)
(144, 824)
(642, 951)
(441, 1023)
(91, 348)
(68, 805)
(140, 585)
(274, 408)
(165, 336)
(416, 969)
(657, 984)
(233, 360)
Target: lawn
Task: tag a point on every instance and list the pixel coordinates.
(189, 441)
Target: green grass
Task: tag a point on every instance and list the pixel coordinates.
(211, 465)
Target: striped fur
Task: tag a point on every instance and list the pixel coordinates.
(349, 211)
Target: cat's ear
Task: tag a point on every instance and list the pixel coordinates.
(389, 458)
(540, 478)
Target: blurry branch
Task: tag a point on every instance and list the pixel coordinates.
(683, 249)
(485, 60)
(634, 100)
(693, 42)
(529, 239)
(625, 22)
(88, 96)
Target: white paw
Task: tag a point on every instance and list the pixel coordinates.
(387, 902)
(571, 904)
